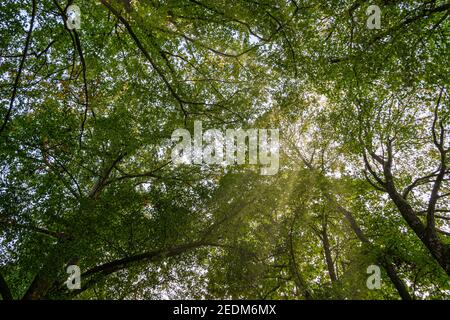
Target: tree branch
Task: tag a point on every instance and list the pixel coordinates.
(21, 65)
(4, 289)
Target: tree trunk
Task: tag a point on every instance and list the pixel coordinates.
(328, 256)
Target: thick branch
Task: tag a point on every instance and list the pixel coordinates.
(4, 289)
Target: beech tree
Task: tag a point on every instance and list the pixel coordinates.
(87, 179)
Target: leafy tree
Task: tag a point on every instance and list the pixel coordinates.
(87, 178)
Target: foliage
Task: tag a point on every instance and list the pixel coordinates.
(86, 175)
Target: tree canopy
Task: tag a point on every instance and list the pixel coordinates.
(87, 177)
